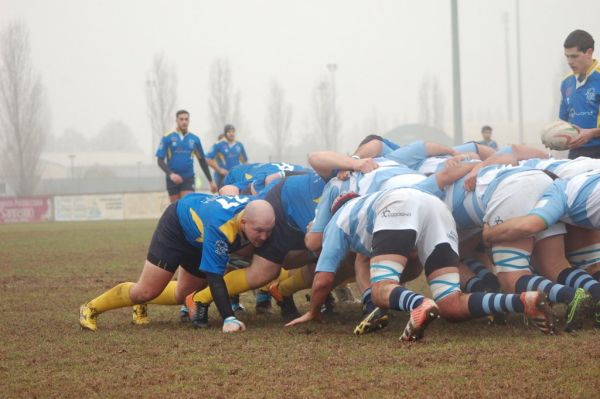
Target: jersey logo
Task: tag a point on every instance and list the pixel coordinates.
(191, 144)
(221, 247)
(230, 202)
(590, 95)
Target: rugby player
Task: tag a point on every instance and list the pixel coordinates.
(177, 147)
(226, 154)
(385, 226)
(294, 200)
(195, 234)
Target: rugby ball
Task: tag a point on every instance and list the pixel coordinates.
(557, 135)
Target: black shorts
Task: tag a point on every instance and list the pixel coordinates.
(169, 248)
(284, 238)
(188, 184)
(402, 242)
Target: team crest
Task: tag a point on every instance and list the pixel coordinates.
(221, 247)
(590, 95)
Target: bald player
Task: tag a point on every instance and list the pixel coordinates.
(196, 234)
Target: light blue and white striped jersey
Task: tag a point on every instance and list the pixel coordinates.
(412, 155)
(565, 168)
(575, 201)
(468, 208)
(351, 228)
(390, 174)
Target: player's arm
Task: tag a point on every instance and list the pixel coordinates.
(213, 264)
(335, 247)
(435, 149)
(243, 156)
(484, 151)
(326, 162)
(514, 229)
(547, 211)
(452, 173)
(199, 153)
(161, 154)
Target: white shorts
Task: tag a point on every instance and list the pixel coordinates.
(411, 209)
(517, 195)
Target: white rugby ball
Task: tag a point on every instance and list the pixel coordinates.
(557, 135)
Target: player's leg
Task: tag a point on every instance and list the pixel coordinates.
(283, 290)
(583, 249)
(512, 264)
(391, 249)
(174, 191)
(150, 285)
(550, 261)
(167, 248)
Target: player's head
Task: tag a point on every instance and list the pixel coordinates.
(258, 221)
(486, 132)
(579, 47)
(182, 118)
(229, 132)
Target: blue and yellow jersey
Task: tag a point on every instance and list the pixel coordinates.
(213, 224)
(226, 155)
(260, 172)
(240, 173)
(300, 196)
(580, 100)
(178, 150)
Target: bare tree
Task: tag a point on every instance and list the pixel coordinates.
(279, 119)
(161, 96)
(224, 100)
(326, 115)
(23, 112)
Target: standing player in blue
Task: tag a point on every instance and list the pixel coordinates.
(226, 154)
(580, 93)
(195, 234)
(178, 147)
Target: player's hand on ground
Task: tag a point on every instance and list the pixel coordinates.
(582, 138)
(175, 178)
(308, 316)
(365, 165)
(231, 324)
(213, 187)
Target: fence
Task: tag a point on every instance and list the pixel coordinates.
(71, 208)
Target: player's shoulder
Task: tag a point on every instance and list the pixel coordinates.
(169, 133)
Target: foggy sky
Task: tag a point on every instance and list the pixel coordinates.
(93, 57)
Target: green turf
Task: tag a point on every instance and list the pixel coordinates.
(48, 270)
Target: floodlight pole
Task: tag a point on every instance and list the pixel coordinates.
(519, 85)
(457, 98)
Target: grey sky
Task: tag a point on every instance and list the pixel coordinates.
(94, 55)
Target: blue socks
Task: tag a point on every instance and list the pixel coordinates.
(577, 278)
(404, 299)
(556, 292)
(481, 304)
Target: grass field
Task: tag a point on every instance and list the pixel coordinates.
(48, 270)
